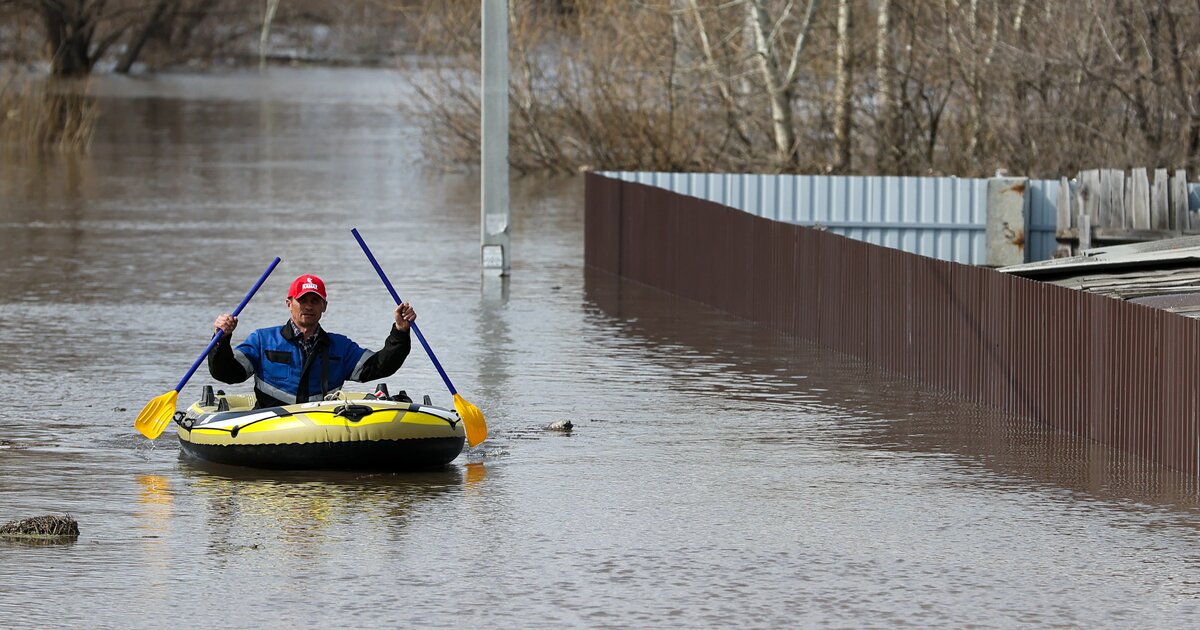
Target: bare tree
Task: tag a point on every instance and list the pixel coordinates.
(79, 33)
(74, 39)
(780, 81)
(959, 86)
(885, 124)
(721, 75)
(140, 36)
(843, 90)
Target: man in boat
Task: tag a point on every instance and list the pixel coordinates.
(299, 361)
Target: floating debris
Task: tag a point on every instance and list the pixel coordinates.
(46, 528)
(560, 425)
(21, 445)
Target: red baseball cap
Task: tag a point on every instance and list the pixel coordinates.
(307, 284)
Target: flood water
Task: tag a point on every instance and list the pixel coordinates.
(718, 474)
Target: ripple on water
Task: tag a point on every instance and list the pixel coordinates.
(718, 473)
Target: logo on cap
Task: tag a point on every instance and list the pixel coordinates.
(307, 284)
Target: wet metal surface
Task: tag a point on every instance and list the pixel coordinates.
(718, 473)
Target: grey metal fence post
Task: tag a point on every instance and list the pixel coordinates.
(495, 251)
(1007, 221)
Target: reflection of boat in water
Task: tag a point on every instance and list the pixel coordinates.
(308, 514)
(356, 431)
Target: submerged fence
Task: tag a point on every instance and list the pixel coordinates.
(1119, 373)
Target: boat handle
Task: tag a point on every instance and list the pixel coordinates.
(353, 413)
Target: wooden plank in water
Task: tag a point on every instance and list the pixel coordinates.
(1160, 215)
(1140, 196)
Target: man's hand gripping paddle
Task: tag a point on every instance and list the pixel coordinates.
(158, 412)
(471, 416)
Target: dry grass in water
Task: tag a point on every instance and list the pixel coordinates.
(44, 527)
(37, 114)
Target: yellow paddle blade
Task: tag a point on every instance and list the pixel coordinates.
(156, 414)
(472, 420)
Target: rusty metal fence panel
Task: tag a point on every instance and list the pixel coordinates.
(1121, 374)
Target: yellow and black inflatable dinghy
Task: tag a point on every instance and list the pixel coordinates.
(357, 431)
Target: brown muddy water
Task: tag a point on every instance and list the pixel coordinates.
(718, 474)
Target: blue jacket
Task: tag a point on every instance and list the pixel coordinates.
(283, 375)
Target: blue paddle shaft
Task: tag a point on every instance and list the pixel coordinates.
(382, 276)
(217, 337)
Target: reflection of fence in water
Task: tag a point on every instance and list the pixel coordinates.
(1118, 373)
(875, 408)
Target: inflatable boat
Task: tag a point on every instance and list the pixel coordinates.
(348, 431)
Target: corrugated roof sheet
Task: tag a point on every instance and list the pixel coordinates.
(1160, 274)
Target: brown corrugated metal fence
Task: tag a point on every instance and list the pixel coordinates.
(1115, 372)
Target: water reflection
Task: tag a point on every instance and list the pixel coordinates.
(476, 474)
(495, 350)
(303, 511)
(155, 499)
(37, 541)
(153, 517)
(719, 473)
(873, 410)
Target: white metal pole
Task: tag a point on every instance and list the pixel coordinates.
(495, 252)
